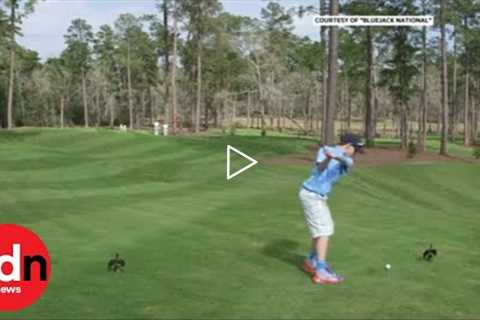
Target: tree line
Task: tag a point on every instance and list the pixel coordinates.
(194, 66)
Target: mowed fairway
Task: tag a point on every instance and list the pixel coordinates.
(197, 246)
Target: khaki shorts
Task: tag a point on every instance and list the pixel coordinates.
(317, 214)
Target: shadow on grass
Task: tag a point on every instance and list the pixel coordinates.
(285, 251)
(18, 135)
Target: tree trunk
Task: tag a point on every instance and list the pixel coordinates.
(349, 114)
(466, 114)
(313, 110)
(453, 119)
(129, 79)
(249, 106)
(109, 102)
(12, 65)
(473, 118)
(223, 112)
(154, 105)
(329, 122)
(404, 127)
(97, 106)
(143, 103)
(219, 115)
(443, 44)
(151, 102)
(174, 71)
(62, 108)
(85, 101)
(323, 40)
(166, 53)
(261, 96)
(422, 123)
(375, 97)
(234, 111)
(439, 123)
(476, 126)
(343, 105)
(370, 96)
(306, 115)
(466, 120)
(271, 106)
(199, 86)
(206, 111)
(348, 102)
(324, 105)
(112, 110)
(318, 107)
(10, 90)
(280, 115)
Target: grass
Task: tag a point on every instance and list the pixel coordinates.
(455, 148)
(198, 246)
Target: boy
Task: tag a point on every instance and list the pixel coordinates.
(332, 163)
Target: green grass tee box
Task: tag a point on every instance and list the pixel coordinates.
(198, 246)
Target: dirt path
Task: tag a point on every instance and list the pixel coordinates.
(372, 157)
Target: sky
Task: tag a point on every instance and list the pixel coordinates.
(44, 29)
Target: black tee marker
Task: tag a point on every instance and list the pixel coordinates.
(429, 254)
(116, 264)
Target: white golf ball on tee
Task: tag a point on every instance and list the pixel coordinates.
(388, 266)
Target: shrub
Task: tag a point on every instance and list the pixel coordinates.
(476, 152)
(104, 123)
(412, 150)
(234, 127)
(19, 123)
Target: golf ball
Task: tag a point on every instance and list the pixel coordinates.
(388, 267)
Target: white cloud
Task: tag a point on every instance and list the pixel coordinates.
(44, 29)
(304, 27)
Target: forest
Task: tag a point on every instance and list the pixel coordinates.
(194, 66)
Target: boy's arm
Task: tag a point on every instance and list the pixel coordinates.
(343, 159)
(322, 160)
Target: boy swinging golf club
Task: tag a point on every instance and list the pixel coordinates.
(331, 164)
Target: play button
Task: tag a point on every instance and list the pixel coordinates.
(236, 173)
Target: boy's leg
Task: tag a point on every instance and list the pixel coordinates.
(318, 254)
(323, 273)
(321, 226)
(320, 247)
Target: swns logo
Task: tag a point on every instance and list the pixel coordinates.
(24, 267)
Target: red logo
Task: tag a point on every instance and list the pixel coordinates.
(24, 267)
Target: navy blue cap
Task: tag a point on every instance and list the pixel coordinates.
(354, 140)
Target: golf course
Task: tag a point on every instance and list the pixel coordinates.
(199, 246)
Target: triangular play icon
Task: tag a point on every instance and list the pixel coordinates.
(251, 164)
